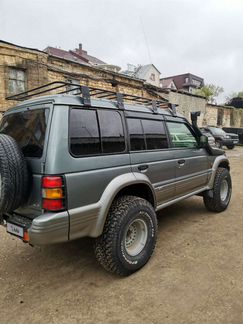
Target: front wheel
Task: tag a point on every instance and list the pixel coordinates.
(218, 198)
(230, 147)
(218, 144)
(129, 236)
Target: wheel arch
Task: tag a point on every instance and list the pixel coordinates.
(221, 161)
(127, 184)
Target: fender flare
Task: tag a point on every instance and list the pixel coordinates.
(219, 159)
(111, 191)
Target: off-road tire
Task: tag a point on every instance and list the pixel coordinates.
(14, 179)
(110, 249)
(230, 147)
(213, 200)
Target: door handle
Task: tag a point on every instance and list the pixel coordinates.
(181, 162)
(143, 167)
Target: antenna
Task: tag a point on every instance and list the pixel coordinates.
(146, 40)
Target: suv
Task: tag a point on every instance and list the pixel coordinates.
(73, 166)
(221, 137)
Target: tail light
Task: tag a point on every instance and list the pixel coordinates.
(53, 193)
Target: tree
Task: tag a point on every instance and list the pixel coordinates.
(234, 95)
(210, 92)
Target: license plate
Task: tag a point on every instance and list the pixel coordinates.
(14, 229)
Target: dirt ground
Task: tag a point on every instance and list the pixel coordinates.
(194, 276)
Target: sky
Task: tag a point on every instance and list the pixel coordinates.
(203, 37)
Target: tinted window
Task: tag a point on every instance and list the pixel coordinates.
(94, 132)
(84, 132)
(181, 135)
(137, 141)
(28, 128)
(154, 134)
(111, 129)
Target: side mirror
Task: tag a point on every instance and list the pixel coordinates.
(203, 141)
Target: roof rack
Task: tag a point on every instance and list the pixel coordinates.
(61, 87)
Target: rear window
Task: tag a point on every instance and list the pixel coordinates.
(28, 128)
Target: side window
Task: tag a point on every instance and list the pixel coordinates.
(84, 132)
(93, 133)
(146, 134)
(181, 135)
(111, 131)
(137, 140)
(155, 135)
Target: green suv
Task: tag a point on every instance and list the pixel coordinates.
(101, 164)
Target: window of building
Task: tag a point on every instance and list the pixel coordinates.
(152, 77)
(146, 134)
(181, 136)
(94, 132)
(196, 83)
(186, 80)
(16, 81)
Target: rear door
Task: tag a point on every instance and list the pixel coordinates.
(150, 153)
(192, 164)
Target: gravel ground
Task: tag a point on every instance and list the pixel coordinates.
(194, 276)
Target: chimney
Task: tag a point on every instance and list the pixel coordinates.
(80, 47)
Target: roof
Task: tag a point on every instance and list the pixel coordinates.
(74, 100)
(142, 70)
(23, 47)
(78, 55)
(57, 52)
(179, 79)
(167, 82)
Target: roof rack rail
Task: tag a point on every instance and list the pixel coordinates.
(61, 87)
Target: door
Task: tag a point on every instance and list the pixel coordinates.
(150, 154)
(192, 164)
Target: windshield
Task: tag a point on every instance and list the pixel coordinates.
(217, 131)
(28, 128)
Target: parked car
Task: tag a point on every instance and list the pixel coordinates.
(221, 137)
(211, 139)
(234, 137)
(72, 167)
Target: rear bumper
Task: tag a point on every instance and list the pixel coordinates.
(45, 229)
(49, 228)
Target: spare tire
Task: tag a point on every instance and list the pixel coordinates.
(14, 177)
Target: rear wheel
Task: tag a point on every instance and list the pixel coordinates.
(218, 198)
(129, 236)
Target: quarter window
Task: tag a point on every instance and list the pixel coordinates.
(181, 135)
(96, 133)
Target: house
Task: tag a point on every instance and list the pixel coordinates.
(81, 56)
(187, 82)
(149, 73)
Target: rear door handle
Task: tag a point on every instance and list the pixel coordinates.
(143, 167)
(181, 162)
